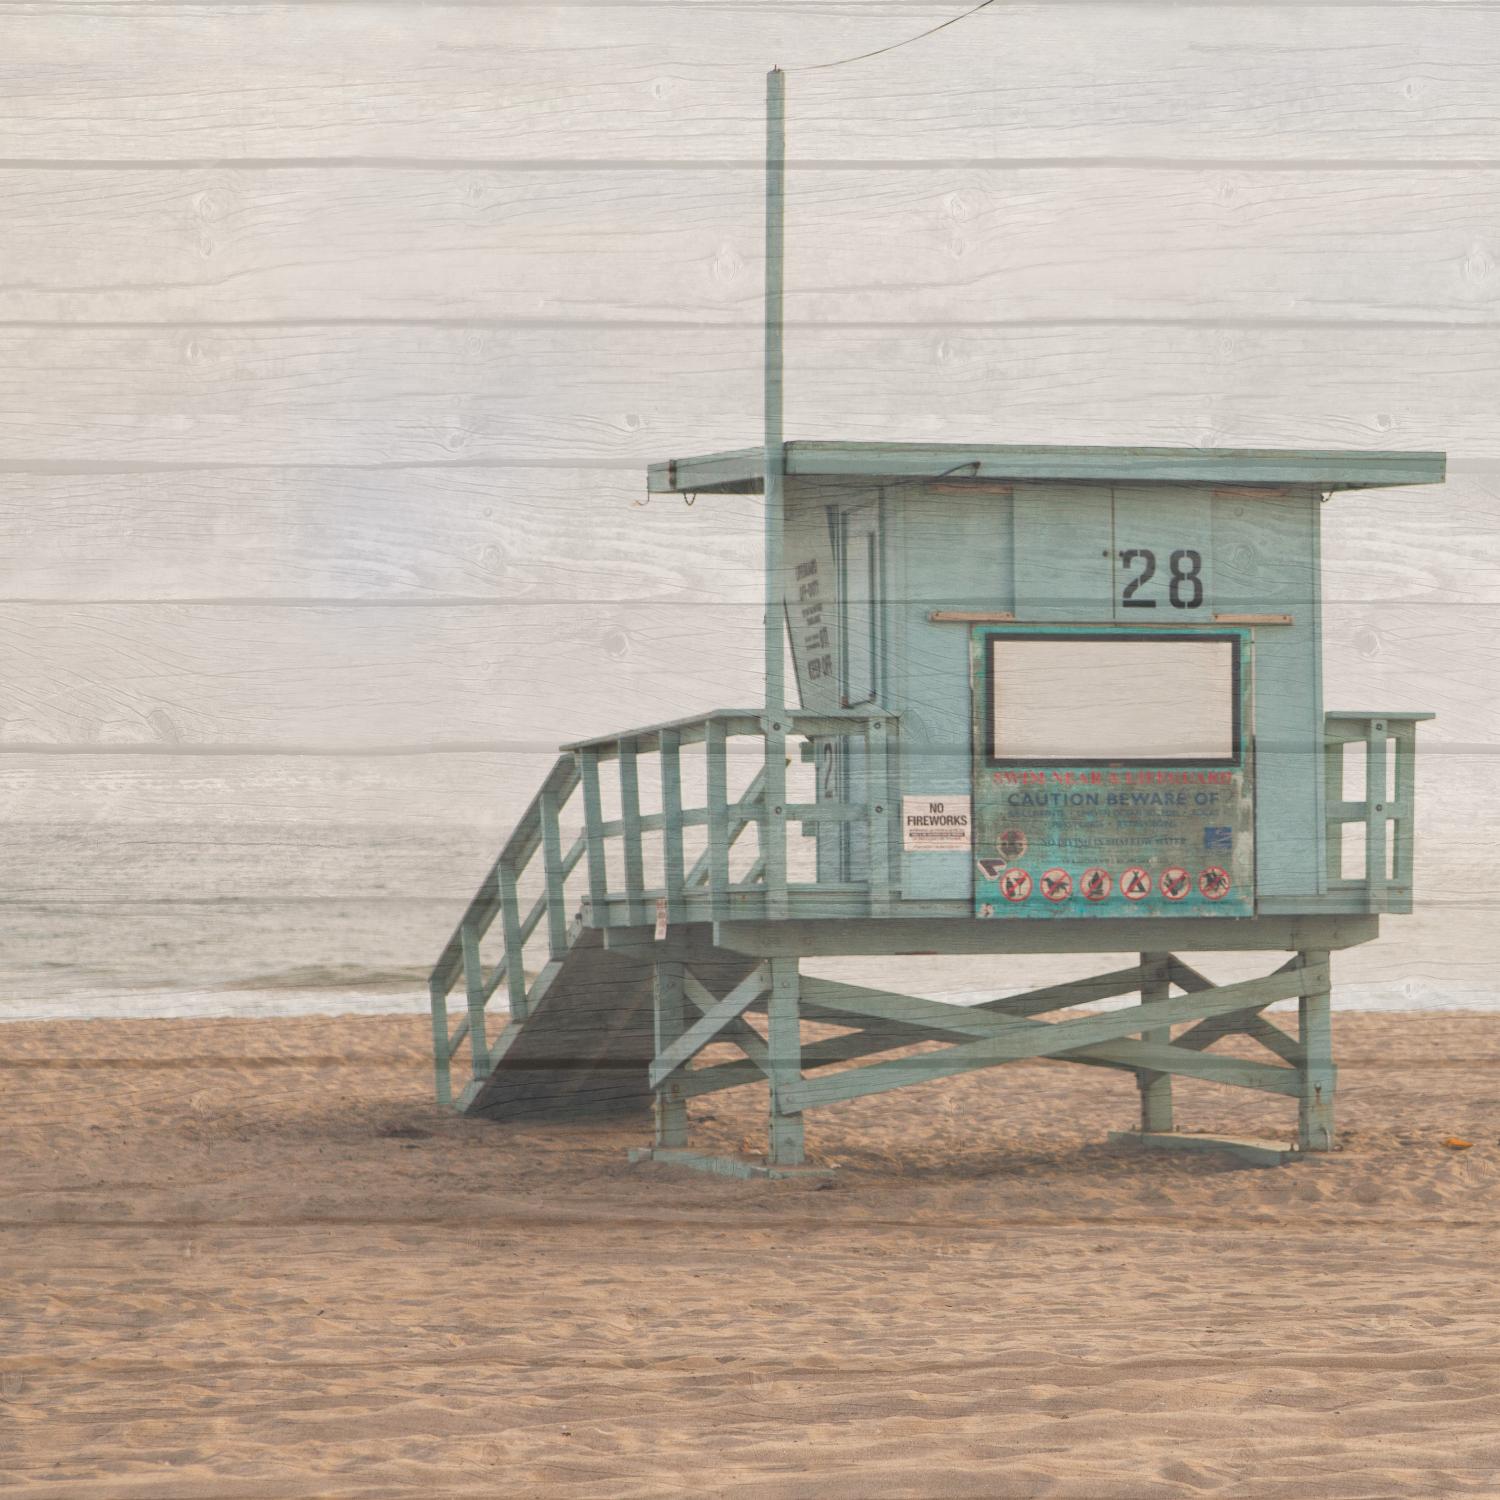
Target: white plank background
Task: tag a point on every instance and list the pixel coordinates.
(334, 339)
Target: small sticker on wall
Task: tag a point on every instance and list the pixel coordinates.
(934, 824)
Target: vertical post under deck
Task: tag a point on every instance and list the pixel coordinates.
(669, 1107)
(1155, 1088)
(1315, 1029)
(441, 1057)
(474, 990)
(784, 1044)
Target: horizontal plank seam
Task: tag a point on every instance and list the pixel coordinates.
(755, 164)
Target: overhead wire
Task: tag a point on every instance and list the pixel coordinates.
(879, 51)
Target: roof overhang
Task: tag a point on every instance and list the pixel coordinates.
(742, 471)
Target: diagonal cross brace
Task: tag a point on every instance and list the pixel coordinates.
(710, 1024)
(738, 1030)
(1012, 1040)
(1248, 1022)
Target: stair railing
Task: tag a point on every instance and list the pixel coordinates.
(673, 893)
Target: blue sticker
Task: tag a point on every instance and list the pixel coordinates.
(1218, 840)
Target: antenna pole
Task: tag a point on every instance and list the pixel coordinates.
(773, 829)
(774, 458)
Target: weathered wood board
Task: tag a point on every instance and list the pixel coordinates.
(334, 340)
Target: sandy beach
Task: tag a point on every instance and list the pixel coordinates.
(249, 1258)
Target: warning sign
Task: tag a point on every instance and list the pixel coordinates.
(1129, 811)
(934, 823)
(1015, 885)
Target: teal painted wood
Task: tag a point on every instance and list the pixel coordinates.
(737, 1030)
(1164, 521)
(1155, 1088)
(1243, 1023)
(523, 842)
(1315, 1112)
(1063, 558)
(895, 1020)
(474, 989)
(1385, 817)
(593, 820)
(673, 873)
(707, 1027)
(1333, 800)
(718, 820)
(669, 1105)
(739, 471)
(441, 1051)
(1033, 1040)
(553, 876)
(1403, 805)
(774, 820)
(1069, 993)
(630, 825)
(1127, 1056)
(1252, 1153)
(515, 942)
(949, 927)
(956, 553)
(1376, 771)
(1264, 558)
(784, 1042)
(881, 817)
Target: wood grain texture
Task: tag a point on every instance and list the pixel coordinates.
(415, 535)
(330, 678)
(310, 314)
(950, 246)
(130, 82)
(620, 397)
(529, 676)
(435, 536)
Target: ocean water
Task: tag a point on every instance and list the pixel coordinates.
(167, 919)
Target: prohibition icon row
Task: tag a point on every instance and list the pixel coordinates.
(1095, 884)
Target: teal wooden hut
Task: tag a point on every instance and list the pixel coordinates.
(1048, 700)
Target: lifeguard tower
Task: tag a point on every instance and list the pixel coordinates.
(1050, 700)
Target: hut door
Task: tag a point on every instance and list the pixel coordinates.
(859, 663)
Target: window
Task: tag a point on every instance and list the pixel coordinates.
(1104, 698)
(860, 595)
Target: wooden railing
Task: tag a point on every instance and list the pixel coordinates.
(636, 861)
(1390, 742)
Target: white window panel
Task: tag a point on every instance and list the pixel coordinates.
(1091, 699)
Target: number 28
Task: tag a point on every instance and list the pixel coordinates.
(1185, 590)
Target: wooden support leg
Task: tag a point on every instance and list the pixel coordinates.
(669, 1104)
(1315, 1107)
(1155, 1088)
(784, 1045)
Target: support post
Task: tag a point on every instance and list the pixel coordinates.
(474, 990)
(784, 1044)
(669, 1102)
(441, 1056)
(1315, 1028)
(1155, 1088)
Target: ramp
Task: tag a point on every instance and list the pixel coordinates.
(586, 1045)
